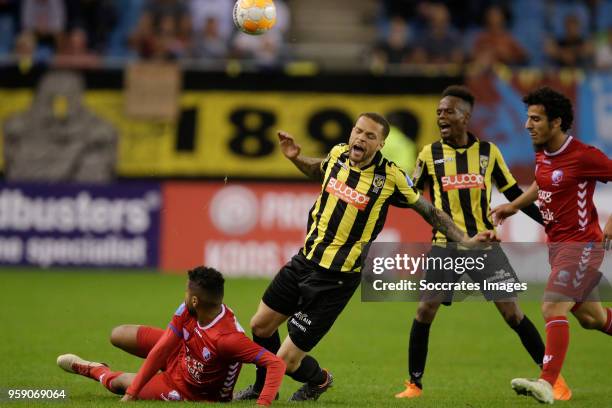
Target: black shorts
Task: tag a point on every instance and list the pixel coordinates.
(497, 270)
(311, 296)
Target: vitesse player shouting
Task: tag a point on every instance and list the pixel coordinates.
(460, 171)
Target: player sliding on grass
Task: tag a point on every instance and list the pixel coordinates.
(358, 185)
(200, 353)
(461, 170)
(566, 173)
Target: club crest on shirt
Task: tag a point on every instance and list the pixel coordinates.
(186, 334)
(378, 183)
(206, 354)
(557, 176)
(484, 163)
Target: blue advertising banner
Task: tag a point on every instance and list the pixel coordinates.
(101, 226)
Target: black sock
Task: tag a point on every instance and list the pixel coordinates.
(417, 351)
(531, 339)
(309, 372)
(272, 344)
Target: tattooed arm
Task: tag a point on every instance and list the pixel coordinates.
(310, 166)
(439, 220)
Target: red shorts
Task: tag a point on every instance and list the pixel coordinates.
(575, 269)
(163, 385)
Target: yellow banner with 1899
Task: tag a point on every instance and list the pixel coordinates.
(233, 134)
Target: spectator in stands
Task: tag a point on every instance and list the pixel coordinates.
(9, 11)
(264, 51)
(46, 19)
(74, 52)
(440, 44)
(163, 31)
(394, 49)
(603, 52)
(24, 53)
(96, 17)
(202, 11)
(209, 43)
(495, 44)
(573, 49)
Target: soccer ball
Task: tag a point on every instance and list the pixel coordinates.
(254, 16)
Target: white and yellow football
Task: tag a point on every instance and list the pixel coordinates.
(254, 16)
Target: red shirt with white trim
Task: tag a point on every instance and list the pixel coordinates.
(566, 181)
(210, 358)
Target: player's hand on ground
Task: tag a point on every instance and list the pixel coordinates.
(501, 212)
(128, 397)
(607, 241)
(290, 149)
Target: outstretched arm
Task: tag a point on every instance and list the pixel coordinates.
(310, 166)
(531, 210)
(439, 220)
(153, 363)
(500, 213)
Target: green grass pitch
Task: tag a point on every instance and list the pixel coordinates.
(473, 355)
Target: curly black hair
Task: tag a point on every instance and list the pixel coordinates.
(556, 105)
(461, 92)
(207, 279)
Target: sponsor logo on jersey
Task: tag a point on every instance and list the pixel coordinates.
(444, 160)
(462, 181)
(544, 196)
(556, 177)
(347, 194)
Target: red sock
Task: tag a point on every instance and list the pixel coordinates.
(557, 341)
(105, 376)
(608, 326)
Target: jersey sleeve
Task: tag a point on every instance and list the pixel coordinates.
(501, 174)
(178, 320)
(333, 154)
(595, 165)
(421, 173)
(405, 193)
(238, 347)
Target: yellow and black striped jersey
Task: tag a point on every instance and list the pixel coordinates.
(460, 180)
(351, 209)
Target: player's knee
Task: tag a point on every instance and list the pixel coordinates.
(427, 312)
(512, 315)
(261, 328)
(552, 309)
(118, 335)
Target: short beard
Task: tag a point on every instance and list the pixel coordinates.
(192, 311)
(538, 147)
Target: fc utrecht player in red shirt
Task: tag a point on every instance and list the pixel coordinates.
(200, 354)
(566, 173)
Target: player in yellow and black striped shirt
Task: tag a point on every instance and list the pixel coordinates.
(358, 186)
(460, 171)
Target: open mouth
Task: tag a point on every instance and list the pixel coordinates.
(444, 127)
(358, 149)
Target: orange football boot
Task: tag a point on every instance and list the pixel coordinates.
(561, 391)
(411, 391)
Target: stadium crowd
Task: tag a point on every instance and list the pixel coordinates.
(542, 33)
(481, 33)
(88, 33)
